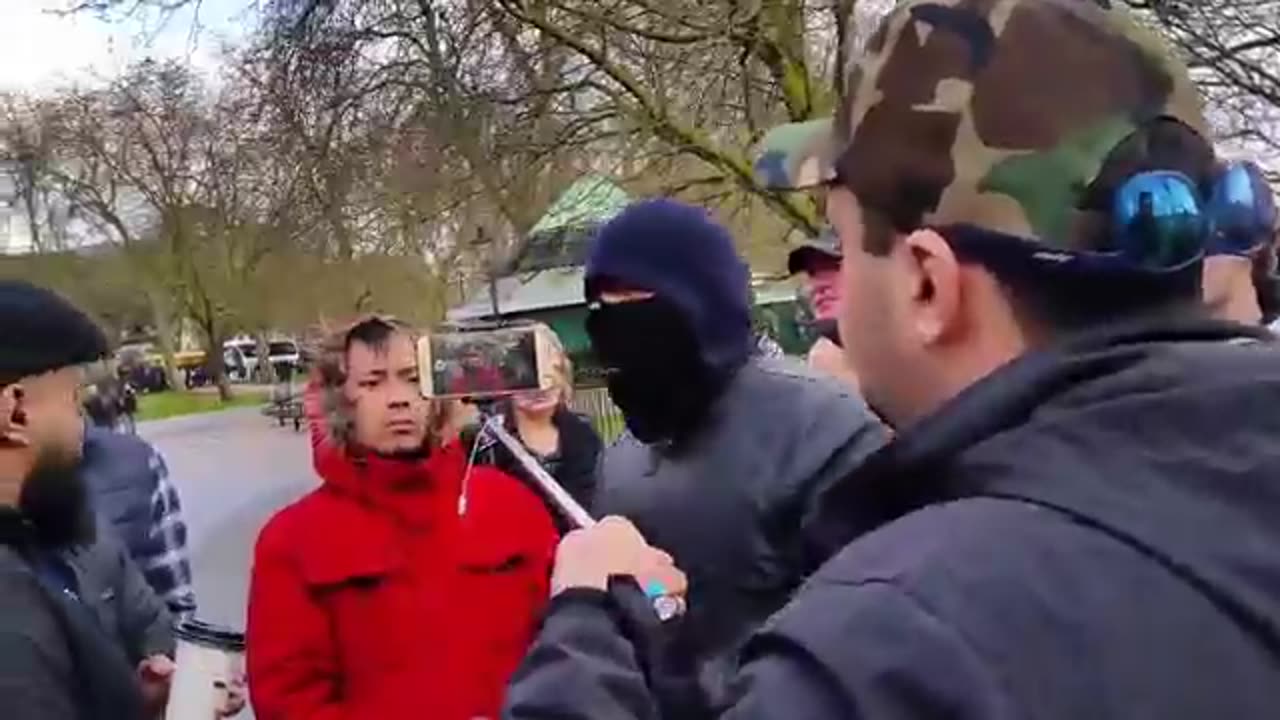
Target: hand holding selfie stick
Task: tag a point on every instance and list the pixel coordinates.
(665, 605)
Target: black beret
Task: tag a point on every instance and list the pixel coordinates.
(40, 331)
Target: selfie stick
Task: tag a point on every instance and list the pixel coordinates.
(554, 490)
(666, 606)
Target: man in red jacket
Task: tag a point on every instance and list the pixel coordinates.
(409, 584)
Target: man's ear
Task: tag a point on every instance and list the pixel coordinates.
(13, 415)
(936, 292)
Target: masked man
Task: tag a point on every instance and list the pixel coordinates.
(726, 449)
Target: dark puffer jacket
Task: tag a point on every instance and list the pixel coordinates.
(1089, 532)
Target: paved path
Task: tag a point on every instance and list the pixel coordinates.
(233, 470)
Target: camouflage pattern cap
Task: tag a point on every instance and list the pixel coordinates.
(994, 113)
(825, 244)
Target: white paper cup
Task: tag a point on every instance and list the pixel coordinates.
(208, 658)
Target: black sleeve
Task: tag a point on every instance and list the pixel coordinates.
(145, 621)
(839, 652)
(866, 650)
(581, 666)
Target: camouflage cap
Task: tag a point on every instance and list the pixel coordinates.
(825, 244)
(993, 113)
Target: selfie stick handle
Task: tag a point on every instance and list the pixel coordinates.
(554, 490)
(666, 606)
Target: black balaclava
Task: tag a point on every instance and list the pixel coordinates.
(653, 367)
(669, 357)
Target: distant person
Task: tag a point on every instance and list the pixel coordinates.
(725, 451)
(410, 583)
(563, 442)
(818, 260)
(131, 491)
(476, 373)
(1240, 266)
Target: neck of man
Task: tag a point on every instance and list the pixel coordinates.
(12, 474)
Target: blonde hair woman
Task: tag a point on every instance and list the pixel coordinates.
(564, 442)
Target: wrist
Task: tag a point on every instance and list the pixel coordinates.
(559, 586)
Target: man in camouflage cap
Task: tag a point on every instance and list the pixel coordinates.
(1077, 516)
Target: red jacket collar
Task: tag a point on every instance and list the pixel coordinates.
(417, 492)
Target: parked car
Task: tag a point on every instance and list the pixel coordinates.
(242, 353)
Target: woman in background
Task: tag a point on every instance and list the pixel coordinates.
(563, 442)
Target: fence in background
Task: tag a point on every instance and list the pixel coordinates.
(596, 405)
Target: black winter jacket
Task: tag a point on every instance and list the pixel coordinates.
(63, 658)
(1089, 532)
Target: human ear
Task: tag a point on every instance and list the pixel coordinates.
(935, 292)
(13, 415)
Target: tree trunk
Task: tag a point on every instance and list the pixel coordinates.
(162, 316)
(214, 362)
(265, 371)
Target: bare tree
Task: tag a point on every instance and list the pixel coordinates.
(1233, 50)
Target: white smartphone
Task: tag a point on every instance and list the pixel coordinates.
(485, 363)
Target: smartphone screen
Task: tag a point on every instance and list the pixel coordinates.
(481, 363)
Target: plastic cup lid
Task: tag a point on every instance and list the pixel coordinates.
(209, 635)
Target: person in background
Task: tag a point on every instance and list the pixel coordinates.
(410, 583)
(563, 442)
(1077, 516)
(1240, 266)
(725, 450)
(818, 259)
(131, 492)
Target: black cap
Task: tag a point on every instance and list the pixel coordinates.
(40, 331)
(826, 245)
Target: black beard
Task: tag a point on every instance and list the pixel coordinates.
(55, 502)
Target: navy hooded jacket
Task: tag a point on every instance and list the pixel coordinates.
(729, 500)
(1089, 532)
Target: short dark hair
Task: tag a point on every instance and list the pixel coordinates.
(1054, 304)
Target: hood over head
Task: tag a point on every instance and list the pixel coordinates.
(688, 259)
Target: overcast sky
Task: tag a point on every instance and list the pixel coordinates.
(40, 50)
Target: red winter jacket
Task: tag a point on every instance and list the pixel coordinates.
(373, 598)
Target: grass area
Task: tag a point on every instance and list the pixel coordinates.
(157, 406)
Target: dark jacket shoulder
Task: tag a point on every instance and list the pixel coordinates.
(56, 662)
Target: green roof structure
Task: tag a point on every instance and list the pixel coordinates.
(591, 200)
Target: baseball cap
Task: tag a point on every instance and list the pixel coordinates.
(826, 244)
(996, 115)
(43, 332)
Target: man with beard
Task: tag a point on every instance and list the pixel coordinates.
(1077, 517)
(57, 661)
(726, 450)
